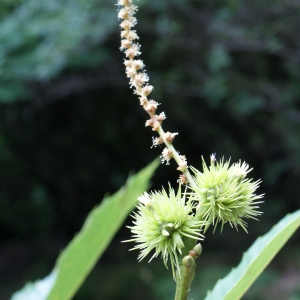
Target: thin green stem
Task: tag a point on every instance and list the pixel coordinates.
(184, 278)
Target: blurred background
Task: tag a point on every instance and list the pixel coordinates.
(228, 76)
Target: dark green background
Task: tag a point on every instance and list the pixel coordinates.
(228, 76)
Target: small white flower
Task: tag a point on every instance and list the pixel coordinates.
(241, 170)
(145, 199)
(213, 157)
(166, 156)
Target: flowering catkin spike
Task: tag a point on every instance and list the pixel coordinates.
(134, 67)
(139, 80)
(161, 224)
(224, 194)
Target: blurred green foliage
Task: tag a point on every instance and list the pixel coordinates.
(41, 39)
(226, 72)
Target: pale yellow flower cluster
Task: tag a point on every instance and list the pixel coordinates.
(135, 67)
(139, 81)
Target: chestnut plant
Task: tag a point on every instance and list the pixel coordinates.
(171, 223)
(168, 224)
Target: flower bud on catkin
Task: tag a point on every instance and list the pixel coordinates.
(166, 156)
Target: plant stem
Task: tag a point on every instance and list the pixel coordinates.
(184, 277)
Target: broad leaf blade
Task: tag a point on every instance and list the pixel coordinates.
(255, 260)
(82, 253)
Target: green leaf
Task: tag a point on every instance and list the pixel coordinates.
(82, 253)
(255, 260)
(38, 290)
